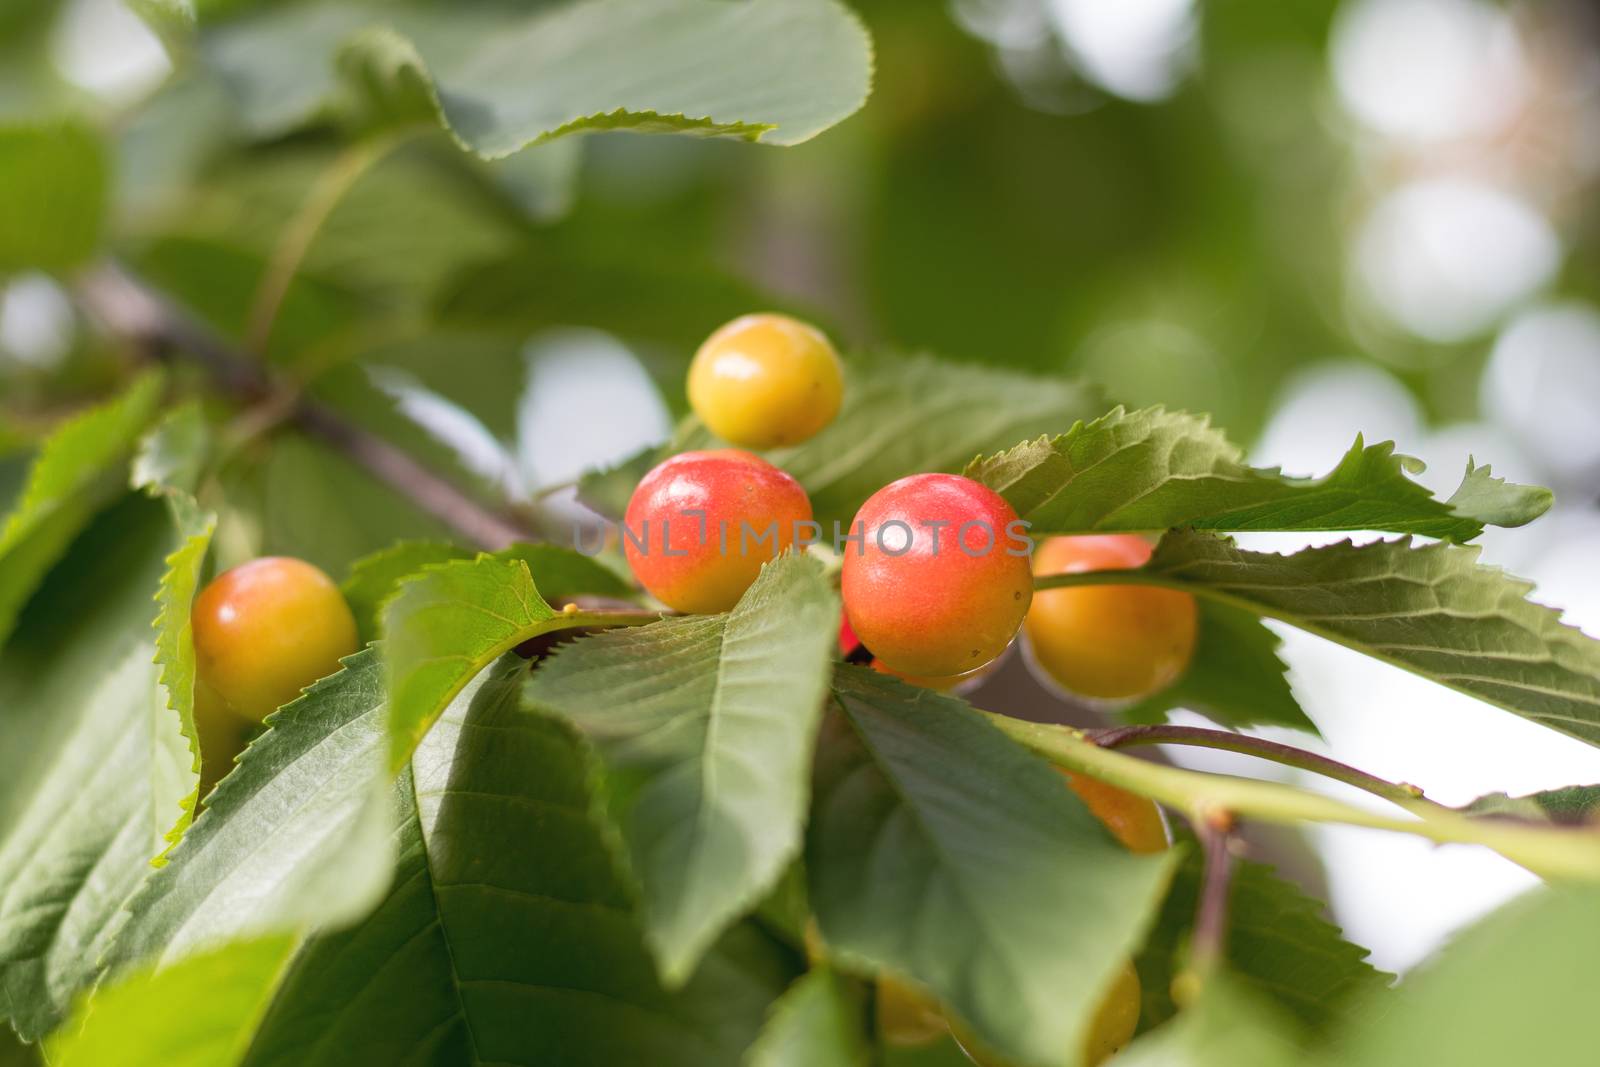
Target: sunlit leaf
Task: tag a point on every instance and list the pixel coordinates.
(445, 625)
(1432, 609)
(780, 71)
(291, 837)
(93, 764)
(705, 726)
(1152, 470)
(199, 1012)
(74, 473)
(508, 935)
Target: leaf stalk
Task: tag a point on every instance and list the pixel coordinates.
(1567, 854)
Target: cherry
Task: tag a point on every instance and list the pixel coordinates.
(1111, 642)
(265, 630)
(766, 380)
(939, 582)
(1134, 820)
(700, 525)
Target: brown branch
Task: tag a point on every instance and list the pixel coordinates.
(129, 309)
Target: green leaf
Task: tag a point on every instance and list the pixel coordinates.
(780, 71)
(172, 456)
(819, 1022)
(1155, 469)
(53, 191)
(1279, 947)
(93, 764)
(1572, 805)
(908, 414)
(1235, 677)
(1432, 609)
(508, 935)
(1497, 502)
(1228, 1026)
(944, 852)
(560, 573)
(1515, 988)
(168, 465)
(200, 1012)
(175, 634)
(705, 726)
(72, 476)
(373, 579)
(291, 837)
(445, 625)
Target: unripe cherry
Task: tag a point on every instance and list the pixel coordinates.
(700, 525)
(1110, 642)
(941, 581)
(265, 630)
(766, 380)
(1132, 819)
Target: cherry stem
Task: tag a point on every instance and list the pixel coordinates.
(1551, 851)
(1216, 833)
(1402, 793)
(130, 309)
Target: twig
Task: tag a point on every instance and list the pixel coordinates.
(1215, 831)
(129, 309)
(1288, 755)
(1552, 852)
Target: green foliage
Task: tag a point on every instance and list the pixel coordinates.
(168, 464)
(1410, 606)
(818, 1022)
(1154, 469)
(1229, 1025)
(901, 415)
(1513, 989)
(445, 625)
(53, 193)
(560, 573)
(510, 833)
(199, 1012)
(1235, 677)
(292, 837)
(1280, 949)
(93, 764)
(782, 70)
(71, 478)
(508, 935)
(705, 728)
(940, 850)
(1573, 805)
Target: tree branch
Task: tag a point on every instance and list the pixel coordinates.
(130, 309)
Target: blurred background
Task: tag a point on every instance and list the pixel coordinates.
(1308, 219)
